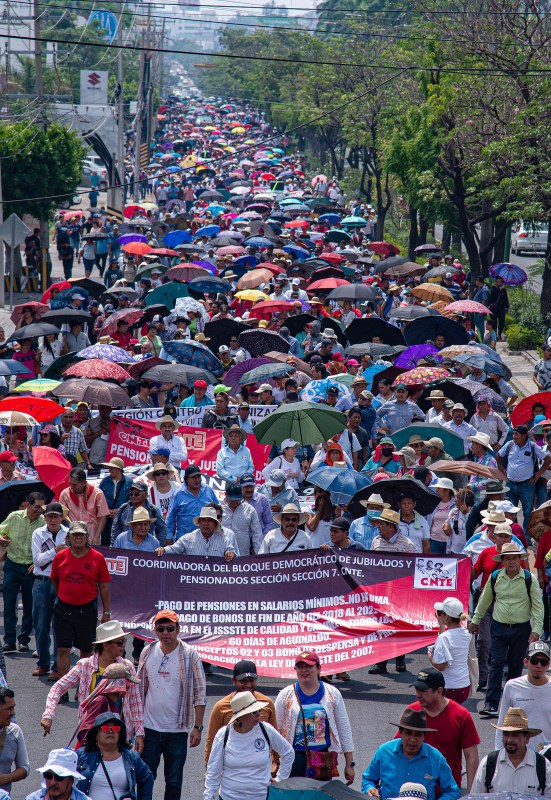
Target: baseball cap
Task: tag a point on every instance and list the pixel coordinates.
(53, 508)
(352, 363)
(160, 450)
(434, 441)
(108, 308)
(139, 485)
(200, 384)
(171, 616)
(400, 386)
(539, 647)
(222, 389)
(277, 478)
(333, 389)
(191, 470)
(264, 387)
(233, 491)
(78, 527)
(126, 297)
(224, 348)
(244, 405)
(156, 318)
(453, 607)
(429, 678)
(449, 275)
(247, 479)
(244, 669)
(341, 523)
(307, 657)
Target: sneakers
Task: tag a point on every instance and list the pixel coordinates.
(10, 648)
(482, 686)
(24, 648)
(488, 711)
(378, 669)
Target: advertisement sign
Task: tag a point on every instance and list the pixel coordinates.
(93, 87)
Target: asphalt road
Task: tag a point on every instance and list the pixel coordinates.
(372, 702)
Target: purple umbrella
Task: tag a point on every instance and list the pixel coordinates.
(511, 274)
(108, 352)
(411, 357)
(132, 237)
(234, 374)
(206, 265)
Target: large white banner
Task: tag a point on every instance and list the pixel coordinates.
(192, 416)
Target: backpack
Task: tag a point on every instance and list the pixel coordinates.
(505, 458)
(527, 581)
(491, 763)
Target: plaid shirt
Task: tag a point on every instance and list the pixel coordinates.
(81, 675)
(194, 687)
(75, 442)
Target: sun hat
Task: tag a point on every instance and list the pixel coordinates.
(481, 438)
(516, 720)
(290, 508)
(503, 529)
(413, 790)
(493, 517)
(207, 513)
(141, 515)
(277, 478)
(109, 631)
(444, 483)
(414, 721)
(358, 378)
(244, 703)
(235, 429)
(168, 420)
(374, 500)
(62, 762)
(510, 549)
(200, 337)
(263, 323)
(387, 515)
(437, 394)
(459, 407)
(415, 437)
(117, 671)
(493, 487)
(115, 463)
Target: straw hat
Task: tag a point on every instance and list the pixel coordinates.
(387, 515)
(200, 337)
(437, 394)
(481, 438)
(244, 703)
(236, 429)
(168, 420)
(413, 790)
(207, 513)
(374, 500)
(493, 517)
(290, 508)
(159, 467)
(141, 515)
(515, 720)
(115, 463)
(109, 631)
(510, 549)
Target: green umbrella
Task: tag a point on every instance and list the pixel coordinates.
(146, 270)
(306, 423)
(56, 369)
(167, 294)
(345, 378)
(453, 444)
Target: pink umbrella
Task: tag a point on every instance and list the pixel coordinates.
(467, 307)
(97, 368)
(230, 251)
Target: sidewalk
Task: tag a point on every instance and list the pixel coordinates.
(522, 366)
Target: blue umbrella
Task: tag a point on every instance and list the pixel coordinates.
(207, 230)
(213, 284)
(275, 226)
(173, 169)
(315, 391)
(174, 238)
(511, 274)
(354, 221)
(264, 373)
(244, 261)
(107, 352)
(340, 480)
(9, 366)
(194, 354)
(64, 299)
(215, 208)
(132, 237)
(330, 219)
(258, 241)
(297, 252)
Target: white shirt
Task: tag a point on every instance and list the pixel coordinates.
(240, 770)
(464, 430)
(275, 542)
(452, 647)
(164, 687)
(176, 445)
(535, 700)
(100, 788)
(507, 778)
(43, 544)
(162, 500)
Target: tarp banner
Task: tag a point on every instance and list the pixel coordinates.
(192, 416)
(130, 440)
(354, 608)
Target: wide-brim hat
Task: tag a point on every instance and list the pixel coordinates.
(493, 487)
(115, 463)
(207, 513)
(414, 721)
(290, 509)
(236, 429)
(374, 500)
(482, 439)
(244, 703)
(437, 394)
(141, 515)
(62, 762)
(516, 720)
(166, 419)
(109, 632)
(510, 549)
(414, 790)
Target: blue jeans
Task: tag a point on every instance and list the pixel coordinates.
(523, 493)
(173, 748)
(43, 611)
(17, 577)
(508, 643)
(438, 547)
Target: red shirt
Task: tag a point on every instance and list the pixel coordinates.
(485, 564)
(544, 546)
(455, 731)
(122, 339)
(79, 577)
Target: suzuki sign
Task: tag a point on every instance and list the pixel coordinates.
(93, 87)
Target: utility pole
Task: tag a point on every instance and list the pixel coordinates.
(120, 128)
(39, 91)
(2, 245)
(139, 120)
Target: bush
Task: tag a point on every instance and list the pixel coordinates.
(525, 310)
(509, 320)
(522, 338)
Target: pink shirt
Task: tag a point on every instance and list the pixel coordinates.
(439, 518)
(88, 507)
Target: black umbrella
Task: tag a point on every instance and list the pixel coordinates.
(182, 374)
(57, 368)
(209, 194)
(353, 292)
(297, 322)
(63, 316)
(260, 341)
(323, 271)
(13, 493)
(225, 240)
(363, 330)
(426, 329)
(94, 237)
(190, 248)
(221, 331)
(428, 248)
(387, 263)
(210, 284)
(375, 350)
(301, 269)
(93, 287)
(152, 311)
(453, 391)
(336, 327)
(34, 330)
(412, 312)
(391, 490)
(390, 373)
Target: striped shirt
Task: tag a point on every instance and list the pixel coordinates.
(195, 544)
(397, 544)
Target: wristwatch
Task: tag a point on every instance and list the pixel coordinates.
(352, 764)
(107, 613)
(199, 727)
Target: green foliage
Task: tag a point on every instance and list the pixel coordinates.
(521, 338)
(524, 308)
(39, 163)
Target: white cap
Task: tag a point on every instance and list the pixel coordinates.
(295, 282)
(224, 348)
(459, 407)
(507, 507)
(288, 443)
(453, 607)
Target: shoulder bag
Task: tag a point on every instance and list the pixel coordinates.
(320, 765)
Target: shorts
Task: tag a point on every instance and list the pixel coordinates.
(75, 626)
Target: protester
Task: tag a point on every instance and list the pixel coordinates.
(59, 774)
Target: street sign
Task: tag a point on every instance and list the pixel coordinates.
(106, 20)
(13, 231)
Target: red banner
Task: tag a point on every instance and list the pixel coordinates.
(130, 440)
(354, 608)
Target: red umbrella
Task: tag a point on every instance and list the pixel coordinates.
(41, 408)
(272, 267)
(327, 284)
(39, 310)
(383, 248)
(137, 248)
(61, 285)
(97, 368)
(130, 315)
(266, 308)
(129, 211)
(139, 367)
(164, 251)
(333, 258)
(268, 176)
(523, 411)
(297, 223)
(53, 469)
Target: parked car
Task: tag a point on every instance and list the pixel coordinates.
(529, 237)
(88, 167)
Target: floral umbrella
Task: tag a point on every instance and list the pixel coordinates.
(98, 368)
(422, 376)
(467, 307)
(107, 352)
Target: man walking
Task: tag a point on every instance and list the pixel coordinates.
(174, 696)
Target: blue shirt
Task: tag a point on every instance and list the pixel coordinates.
(231, 465)
(390, 768)
(191, 402)
(184, 507)
(315, 716)
(520, 460)
(363, 531)
(125, 540)
(40, 794)
(262, 508)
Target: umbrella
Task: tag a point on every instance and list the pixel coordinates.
(363, 330)
(34, 330)
(52, 467)
(38, 309)
(354, 292)
(254, 295)
(327, 284)
(264, 372)
(391, 490)
(428, 248)
(457, 349)
(427, 329)
(174, 238)
(345, 378)
(99, 369)
(42, 409)
(522, 412)
(411, 312)
(164, 251)
(60, 286)
(437, 272)
(390, 373)
(152, 311)
(94, 287)
(422, 376)
(167, 294)
(137, 248)
(108, 352)
(13, 493)
(182, 374)
(91, 391)
(258, 342)
(130, 315)
(207, 230)
(353, 221)
(13, 418)
(432, 292)
(453, 443)
(540, 520)
(233, 376)
(316, 391)
(467, 307)
(9, 366)
(254, 278)
(284, 358)
(335, 235)
(55, 370)
(195, 354)
(339, 480)
(136, 370)
(267, 308)
(374, 349)
(411, 357)
(480, 392)
(212, 285)
(221, 331)
(468, 468)
(330, 219)
(37, 386)
(306, 423)
(127, 238)
(186, 272)
(297, 322)
(383, 248)
(65, 316)
(387, 263)
(408, 268)
(129, 211)
(511, 274)
(453, 390)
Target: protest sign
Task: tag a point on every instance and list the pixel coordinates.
(192, 416)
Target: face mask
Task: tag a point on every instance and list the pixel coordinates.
(386, 451)
(372, 514)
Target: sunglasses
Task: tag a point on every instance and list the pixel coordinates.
(50, 775)
(543, 662)
(107, 728)
(163, 628)
(119, 642)
(160, 472)
(134, 492)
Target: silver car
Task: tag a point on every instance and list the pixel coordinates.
(529, 237)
